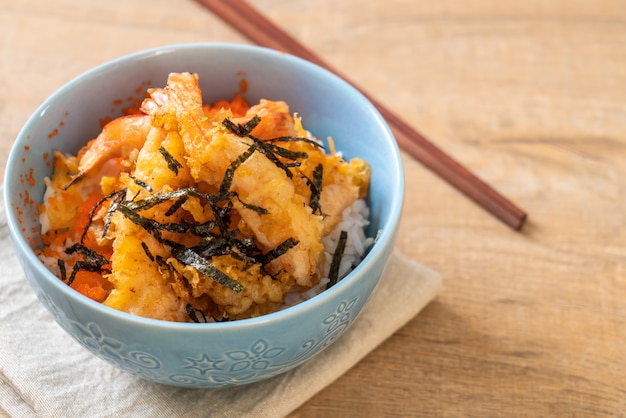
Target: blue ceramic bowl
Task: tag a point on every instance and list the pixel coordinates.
(215, 354)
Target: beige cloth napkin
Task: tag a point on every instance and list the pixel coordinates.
(45, 373)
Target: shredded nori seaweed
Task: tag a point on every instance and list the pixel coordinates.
(148, 224)
(193, 316)
(258, 209)
(281, 249)
(117, 197)
(177, 205)
(315, 185)
(92, 213)
(172, 163)
(296, 139)
(333, 274)
(62, 269)
(75, 179)
(158, 198)
(89, 255)
(269, 147)
(230, 171)
(269, 151)
(162, 262)
(183, 254)
(147, 251)
(91, 261)
(142, 183)
(189, 257)
(242, 130)
(86, 266)
(284, 152)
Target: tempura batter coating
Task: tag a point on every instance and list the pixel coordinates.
(199, 212)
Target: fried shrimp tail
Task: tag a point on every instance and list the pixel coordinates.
(119, 138)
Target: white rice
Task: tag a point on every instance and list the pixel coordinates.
(355, 219)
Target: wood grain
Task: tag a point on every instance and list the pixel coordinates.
(262, 31)
(529, 95)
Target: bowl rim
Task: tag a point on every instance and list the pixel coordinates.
(374, 254)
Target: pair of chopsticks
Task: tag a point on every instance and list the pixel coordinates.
(263, 32)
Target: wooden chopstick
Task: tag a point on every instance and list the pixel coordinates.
(263, 32)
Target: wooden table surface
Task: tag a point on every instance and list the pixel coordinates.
(528, 94)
